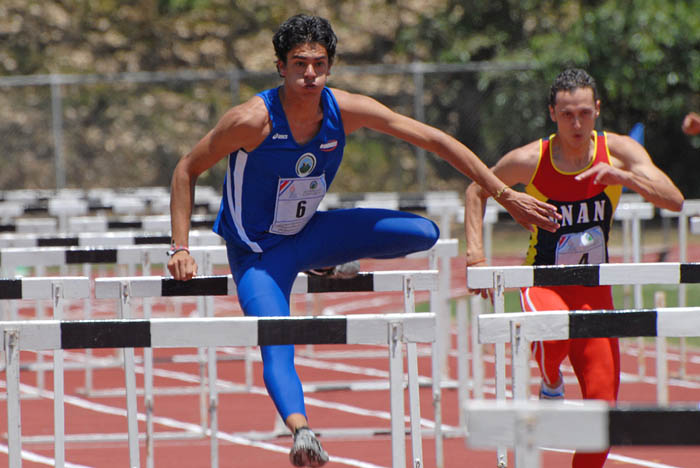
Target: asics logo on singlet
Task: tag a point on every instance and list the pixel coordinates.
(280, 136)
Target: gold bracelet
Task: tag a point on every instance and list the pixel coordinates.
(500, 192)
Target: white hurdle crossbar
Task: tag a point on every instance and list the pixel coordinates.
(56, 289)
(390, 329)
(587, 425)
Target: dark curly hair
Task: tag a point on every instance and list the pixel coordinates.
(569, 80)
(304, 29)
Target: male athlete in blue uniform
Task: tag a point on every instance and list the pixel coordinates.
(284, 147)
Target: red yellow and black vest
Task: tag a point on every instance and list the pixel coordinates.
(587, 210)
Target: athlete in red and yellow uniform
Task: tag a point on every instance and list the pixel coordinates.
(582, 172)
(587, 213)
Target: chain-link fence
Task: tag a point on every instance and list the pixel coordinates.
(129, 129)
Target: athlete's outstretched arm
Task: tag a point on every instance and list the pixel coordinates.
(362, 111)
(516, 167)
(242, 126)
(633, 168)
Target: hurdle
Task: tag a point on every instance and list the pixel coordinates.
(590, 425)
(223, 285)
(690, 210)
(391, 329)
(586, 275)
(58, 290)
(500, 278)
(102, 239)
(39, 258)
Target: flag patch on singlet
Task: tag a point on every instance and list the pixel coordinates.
(329, 146)
(283, 185)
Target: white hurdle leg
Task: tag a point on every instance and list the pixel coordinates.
(130, 382)
(398, 430)
(661, 358)
(87, 311)
(413, 395)
(14, 421)
(439, 352)
(58, 390)
(475, 304)
(148, 399)
(212, 378)
(525, 453)
(682, 291)
(39, 308)
(499, 308)
(462, 355)
(638, 299)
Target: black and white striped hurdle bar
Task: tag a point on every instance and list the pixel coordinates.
(73, 287)
(102, 239)
(588, 425)
(584, 275)
(222, 285)
(12, 258)
(384, 329)
(227, 331)
(563, 325)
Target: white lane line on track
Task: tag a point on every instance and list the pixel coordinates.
(36, 458)
(173, 423)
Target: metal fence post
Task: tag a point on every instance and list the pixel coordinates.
(57, 127)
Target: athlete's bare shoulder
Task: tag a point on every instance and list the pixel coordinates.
(248, 123)
(359, 110)
(625, 150)
(251, 113)
(527, 155)
(350, 101)
(518, 165)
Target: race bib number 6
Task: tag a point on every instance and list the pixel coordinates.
(297, 201)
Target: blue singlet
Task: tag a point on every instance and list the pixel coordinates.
(273, 230)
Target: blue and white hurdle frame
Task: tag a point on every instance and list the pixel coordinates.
(390, 329)
(591, 425)
(500, 278)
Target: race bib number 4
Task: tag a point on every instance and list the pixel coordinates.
(587, 247)
(297, 201)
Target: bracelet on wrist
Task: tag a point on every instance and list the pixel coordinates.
(500, 191)
(177, 248)
(474, 262)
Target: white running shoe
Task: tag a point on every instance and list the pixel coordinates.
(552, 393)
(307, 450)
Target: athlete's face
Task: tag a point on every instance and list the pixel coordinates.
(307, 68)
(575, 113)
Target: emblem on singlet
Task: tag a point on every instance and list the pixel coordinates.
(587, 247)
(305, 164)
